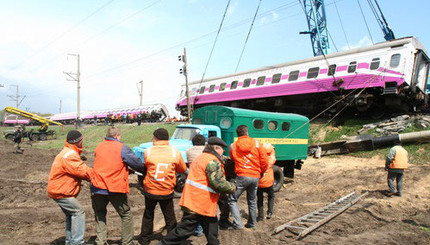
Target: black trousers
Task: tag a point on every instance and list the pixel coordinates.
(187, 226)
(260, 200)
(168, 210)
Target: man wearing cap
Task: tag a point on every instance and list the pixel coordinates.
(162, 162)
(64, 184)
(110, 184)
(205, 181)
(250, 163)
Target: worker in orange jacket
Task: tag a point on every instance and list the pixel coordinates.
(396, 163)
(265, 184)
(250, 159)
(64, 184)
(162, 162)
(110, 184)
(199, 199)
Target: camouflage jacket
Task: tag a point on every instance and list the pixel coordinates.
(216, 176)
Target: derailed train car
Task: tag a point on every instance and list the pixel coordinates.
(391, 75)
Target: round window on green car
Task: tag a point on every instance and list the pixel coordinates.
(225, 123)
(286, 126)
(272, 125)
(258, 124)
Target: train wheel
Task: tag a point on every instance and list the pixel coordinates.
(279, 178)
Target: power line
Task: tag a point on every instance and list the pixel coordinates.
(68, 31)
(365, 21)
(341, 24)
(249, 32)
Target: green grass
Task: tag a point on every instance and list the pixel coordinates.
(132, 135)
(426, 229)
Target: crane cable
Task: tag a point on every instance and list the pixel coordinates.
(213, 47)
(365, 21)
(247, 37)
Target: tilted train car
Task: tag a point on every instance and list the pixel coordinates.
(389, 75)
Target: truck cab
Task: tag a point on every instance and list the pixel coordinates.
(181, 138)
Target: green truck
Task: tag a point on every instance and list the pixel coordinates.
(288, 133)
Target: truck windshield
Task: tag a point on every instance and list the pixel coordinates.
(185, 133)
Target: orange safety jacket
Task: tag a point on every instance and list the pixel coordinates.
(249, 157)
(267, 180)
(400, 160)
(66, 174)
(162, 161)
(110, 172)
(197, 195)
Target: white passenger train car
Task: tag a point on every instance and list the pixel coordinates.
(389, 75)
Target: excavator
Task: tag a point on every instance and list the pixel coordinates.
(42, 133)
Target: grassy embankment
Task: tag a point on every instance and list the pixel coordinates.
(132, 135)
(321, 132)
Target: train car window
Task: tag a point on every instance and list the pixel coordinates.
(395, 60)
(182, 93)
(294, 75)
(258, 124)
(260, 80)
(285, 126)
(352, 67)
(233, 85)
(272, 125)
(331, 70)
(313, 72)
(202, 90)
(212, 88)
(225, 123)
(246, 83)
(375, 63)
(222, 86)
(193, 92)
(276, 78)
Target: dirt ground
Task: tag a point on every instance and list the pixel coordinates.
(28, 216)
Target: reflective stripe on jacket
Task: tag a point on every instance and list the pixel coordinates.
(400, 160)
(267, 180)
(249, 157)
(197, 195)
(67, 170)
(110, 172)
(162, 161)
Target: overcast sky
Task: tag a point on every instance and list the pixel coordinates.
(122, 42)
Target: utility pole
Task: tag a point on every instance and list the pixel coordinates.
(16, 97)
(59, 111)
(184, 71)
(140, 91)
(76, 77)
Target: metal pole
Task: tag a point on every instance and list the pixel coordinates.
(141, 92)
(17, 96)
(186, 86)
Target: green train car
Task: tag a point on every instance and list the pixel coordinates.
(287, 132)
